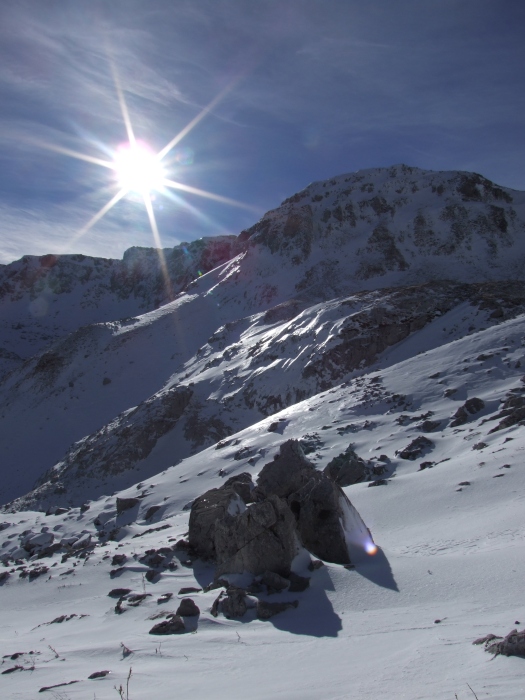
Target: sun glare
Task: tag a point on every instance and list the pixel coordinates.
(138, 169)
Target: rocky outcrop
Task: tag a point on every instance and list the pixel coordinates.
(295, 504)
(319, 516)
(261, 538)
(469, 408)
(208, 510)
(419, 446)
(347, 468)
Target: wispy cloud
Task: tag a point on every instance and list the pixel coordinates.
(318, 88)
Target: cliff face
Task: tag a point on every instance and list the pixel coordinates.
(320, 291)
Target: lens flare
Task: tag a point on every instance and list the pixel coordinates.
(370, 548)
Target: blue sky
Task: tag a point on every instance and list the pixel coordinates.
(311, 89)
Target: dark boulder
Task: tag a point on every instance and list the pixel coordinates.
(273, 582)
(317, 507)
(124, 504)
(232, 605)
(416, 448)
(151, 512)
(188, 608)
(173, 625)
(347, 468)
(263, 538)
(242, 484)
(324, 515)
(470, 407)
(286, 473)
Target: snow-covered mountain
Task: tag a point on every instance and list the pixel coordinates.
(44, 298)
(381, 312)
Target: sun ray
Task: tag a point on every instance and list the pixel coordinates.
(73, 154)
(158, 244)
(102, 212)
(208, 195)
(197, 213)
(200, 116)
(122, 102)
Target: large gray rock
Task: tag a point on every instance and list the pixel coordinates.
(316, 501)
(242, 484)
(317, 507)
(263, 538)
(206, 511)
(286, 473)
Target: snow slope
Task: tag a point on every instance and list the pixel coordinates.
(446, 552)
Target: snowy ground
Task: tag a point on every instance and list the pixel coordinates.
(449, 569)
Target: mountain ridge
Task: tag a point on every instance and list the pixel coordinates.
(273, 323)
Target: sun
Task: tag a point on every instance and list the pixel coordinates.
(138, 169)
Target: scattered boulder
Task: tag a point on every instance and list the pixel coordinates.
(416, 448)
(261, 538)
(152, 576)
(119, 559)
(124, 504)
(119, 592)
(429, 426)
(273, 582)
(292, 503)
(33, 542)
(151, 512)
(470, 407)
(234, 604)
(347, 468)
(164, 598)
(378, 482)
(173, 625)
(266, 610)
(98, 674)
(474, 405)
(511, 645)
(188, 608)
(512, 413)
(186, 590)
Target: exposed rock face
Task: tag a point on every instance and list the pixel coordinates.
(316, 501)
(286, 473)
(513, 410)
(242, 484)
(262, 538)
(470, 407)
(206, 511)
(317, 508)
(416, 448)
(346, 469)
